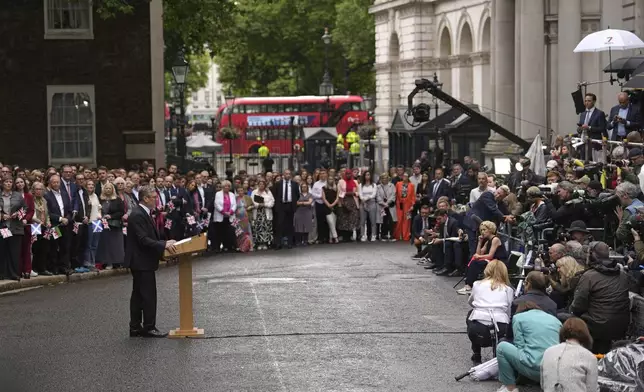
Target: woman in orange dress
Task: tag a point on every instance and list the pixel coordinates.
(405, 199)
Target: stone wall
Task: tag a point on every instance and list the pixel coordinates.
(116, 62)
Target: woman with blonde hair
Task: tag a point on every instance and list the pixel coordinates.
(111, 247)
(491, 300)
(569, 272)
(489, 247)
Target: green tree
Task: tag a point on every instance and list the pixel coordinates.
(275, 47)
(189, 25)
(197, 75)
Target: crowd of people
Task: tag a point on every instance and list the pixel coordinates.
(74, 219)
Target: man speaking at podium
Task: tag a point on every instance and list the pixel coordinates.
(143, 250)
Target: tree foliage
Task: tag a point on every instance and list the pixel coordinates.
(197, 75)
(275, 47)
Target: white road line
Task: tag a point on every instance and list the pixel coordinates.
(16, 291)
(268, 343)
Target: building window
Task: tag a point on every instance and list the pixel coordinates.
(68, 19)
(195, 96)
(72, 124)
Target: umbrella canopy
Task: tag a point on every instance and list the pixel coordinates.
(636, 82)
(626, 64)
(535, 154)
(609, 39)
(202, 142)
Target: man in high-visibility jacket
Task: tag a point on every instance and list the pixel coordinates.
(355, 148)
(263, 151)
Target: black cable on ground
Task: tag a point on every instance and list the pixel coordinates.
(332, 333)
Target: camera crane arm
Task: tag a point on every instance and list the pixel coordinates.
(433, 89)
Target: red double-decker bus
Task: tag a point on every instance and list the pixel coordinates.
(268, 119)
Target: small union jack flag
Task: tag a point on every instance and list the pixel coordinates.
(5, 233)
(168, 224)
(106, 225)
(191, 220)
(170, 206)
(46, 234)
(22, 213)
(76, 226)
(124, 230)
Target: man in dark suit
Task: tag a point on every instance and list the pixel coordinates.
(79, 240)
(447, 254)
(179, 198)
(60, 213)
(439, 187)
(286, 193)
(420, 227)
(489, 207)
(593, 121)
(143, 250)
(623, 118)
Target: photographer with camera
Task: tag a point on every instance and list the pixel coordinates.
(632, 168)
(579, 233)
(569, 209)
(489, 207)
(536, 284)
(564, 282)
(627, 193)
(601, 298)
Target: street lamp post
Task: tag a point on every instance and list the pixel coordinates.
(212, 125)
(180, 70)
(326, 87)
(229, 165)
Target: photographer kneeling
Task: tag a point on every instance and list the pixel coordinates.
(489, 247)
(601, 298)
(563, 288)
(534, 332)
(536, 284)
(491, 300)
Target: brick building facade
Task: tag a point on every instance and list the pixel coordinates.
(77, 88)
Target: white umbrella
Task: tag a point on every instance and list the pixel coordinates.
(202, 142)
(609, 39)
(535, 154)
(485, 371)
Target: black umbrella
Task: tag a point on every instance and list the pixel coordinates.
(626, 66)
(636, 82)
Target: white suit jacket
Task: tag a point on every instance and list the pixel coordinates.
(219, 205)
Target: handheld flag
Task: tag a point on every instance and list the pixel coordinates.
(36, 229)
(22, 213)
(5, 233)
(46, 234)
(124, 230)
(168, 224)
(56, 233)
(76, 226)
(106, 225)
(97, 226)
(191, 220)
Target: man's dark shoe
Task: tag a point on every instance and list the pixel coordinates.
(153, 333)
(476, 359)
(430, 266)
(46, 273)
(135, 333)
(442, 272)
(454, 274)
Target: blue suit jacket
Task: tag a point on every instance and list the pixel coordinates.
(632, 118)
(597, 124)
(444, 189)
(487, 209)
(54, 210)
(74, 197)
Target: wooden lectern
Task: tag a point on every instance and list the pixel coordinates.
(185, 250)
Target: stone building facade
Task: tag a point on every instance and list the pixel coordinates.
(80, 89)
(512, 58)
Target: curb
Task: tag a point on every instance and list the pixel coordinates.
(12, 285)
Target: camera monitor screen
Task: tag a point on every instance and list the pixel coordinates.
(502, 166)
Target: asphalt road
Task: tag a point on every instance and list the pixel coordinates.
(350, 317)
